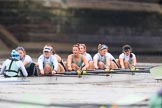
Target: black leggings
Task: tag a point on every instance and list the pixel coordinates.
(32, 70)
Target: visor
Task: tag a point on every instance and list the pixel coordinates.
(46, 49)
(103, 47)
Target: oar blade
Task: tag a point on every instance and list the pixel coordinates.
(156, 71)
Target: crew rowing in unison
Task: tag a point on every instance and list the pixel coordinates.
(50, 63)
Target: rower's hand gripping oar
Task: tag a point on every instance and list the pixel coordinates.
(107, 70)
(79, 72)
(85, 72)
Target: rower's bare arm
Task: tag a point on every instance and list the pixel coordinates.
(58, 58)
(69, 60)
(121, 63)
(107, 62)
(54, 72)
(95, 63)
(85, 62)
(134, 61)
(42, 72)
(25, 63)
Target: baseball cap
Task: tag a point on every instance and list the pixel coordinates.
(126, 48)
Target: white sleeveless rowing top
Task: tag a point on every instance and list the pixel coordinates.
(28, 59)
(128, 58)
(110, 56)
(88, 56)
(103, 58)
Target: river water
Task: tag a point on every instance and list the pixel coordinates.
(89, 91)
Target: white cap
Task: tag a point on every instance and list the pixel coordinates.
(47, 48)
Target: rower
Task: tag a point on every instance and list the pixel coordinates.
(103, 59)
(61, 65)
(75, 60)
(27, 61)
(127, 59)
(47, 62)
(13, 67)
(82, 48)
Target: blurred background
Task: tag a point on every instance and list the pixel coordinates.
(33, 23)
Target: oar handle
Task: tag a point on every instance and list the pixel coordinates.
(84, 72)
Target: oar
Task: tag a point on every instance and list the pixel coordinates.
(121, 71)
(156, 72)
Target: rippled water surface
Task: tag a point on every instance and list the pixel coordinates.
(88, 91)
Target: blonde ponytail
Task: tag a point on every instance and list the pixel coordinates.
(99, 47)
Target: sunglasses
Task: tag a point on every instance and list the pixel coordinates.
(15, 55)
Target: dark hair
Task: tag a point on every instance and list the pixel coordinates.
(127, 48)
